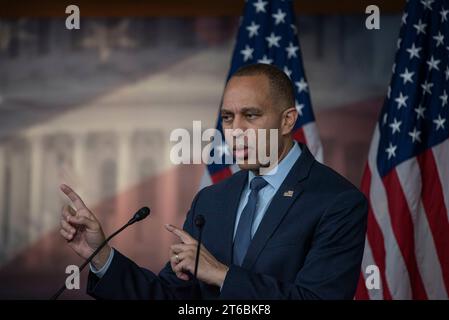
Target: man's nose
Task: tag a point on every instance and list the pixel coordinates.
(238, 126)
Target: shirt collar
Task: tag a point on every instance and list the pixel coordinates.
(283, 168)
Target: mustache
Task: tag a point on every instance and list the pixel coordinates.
(245, 147)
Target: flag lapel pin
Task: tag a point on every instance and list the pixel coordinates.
(288, 193)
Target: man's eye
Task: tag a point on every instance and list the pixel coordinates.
(226, 118)
(251, 116)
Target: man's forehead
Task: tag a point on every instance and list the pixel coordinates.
(241, 108)
(249, 81)
(245, 91)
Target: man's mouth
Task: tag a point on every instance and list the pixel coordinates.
(241, 153)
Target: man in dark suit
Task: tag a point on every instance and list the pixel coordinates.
(296, 232)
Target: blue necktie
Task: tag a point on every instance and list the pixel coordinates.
(243, 234)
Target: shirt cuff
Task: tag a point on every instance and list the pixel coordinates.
(100, 273)
(221, 287)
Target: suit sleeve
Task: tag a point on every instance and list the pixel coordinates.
(332, 266)
(124, 279)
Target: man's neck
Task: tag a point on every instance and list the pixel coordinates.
(287, 147)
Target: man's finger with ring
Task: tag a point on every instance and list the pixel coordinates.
(177, 258)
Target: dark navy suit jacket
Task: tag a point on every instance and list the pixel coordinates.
(308, 246)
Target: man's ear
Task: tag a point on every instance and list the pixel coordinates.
(289, 117)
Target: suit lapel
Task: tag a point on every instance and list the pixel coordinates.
(230, 204)
(289, 191)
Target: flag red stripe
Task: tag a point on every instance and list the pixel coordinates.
(376, 240)
(299, 136)
(221, 175)
(436, 211)
(403, 229)
(375, 236)
(362, 291)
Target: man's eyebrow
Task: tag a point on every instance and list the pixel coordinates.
(242, 110)
(251, 109)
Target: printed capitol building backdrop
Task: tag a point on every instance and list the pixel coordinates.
(95, 110)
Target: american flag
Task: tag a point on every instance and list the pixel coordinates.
(407, 175)
(268, 34)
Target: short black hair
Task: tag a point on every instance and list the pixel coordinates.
(281, 87)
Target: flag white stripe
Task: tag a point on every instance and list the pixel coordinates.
(441, 155)
(234, 168)
(205, 179)
(313, 140)
(396, 272)
(374, 294)
(427, 259)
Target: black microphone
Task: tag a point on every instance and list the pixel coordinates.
(139, 215)
(199, 223)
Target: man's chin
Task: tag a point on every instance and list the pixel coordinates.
(248, 166)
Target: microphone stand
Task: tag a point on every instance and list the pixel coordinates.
(199, 223)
